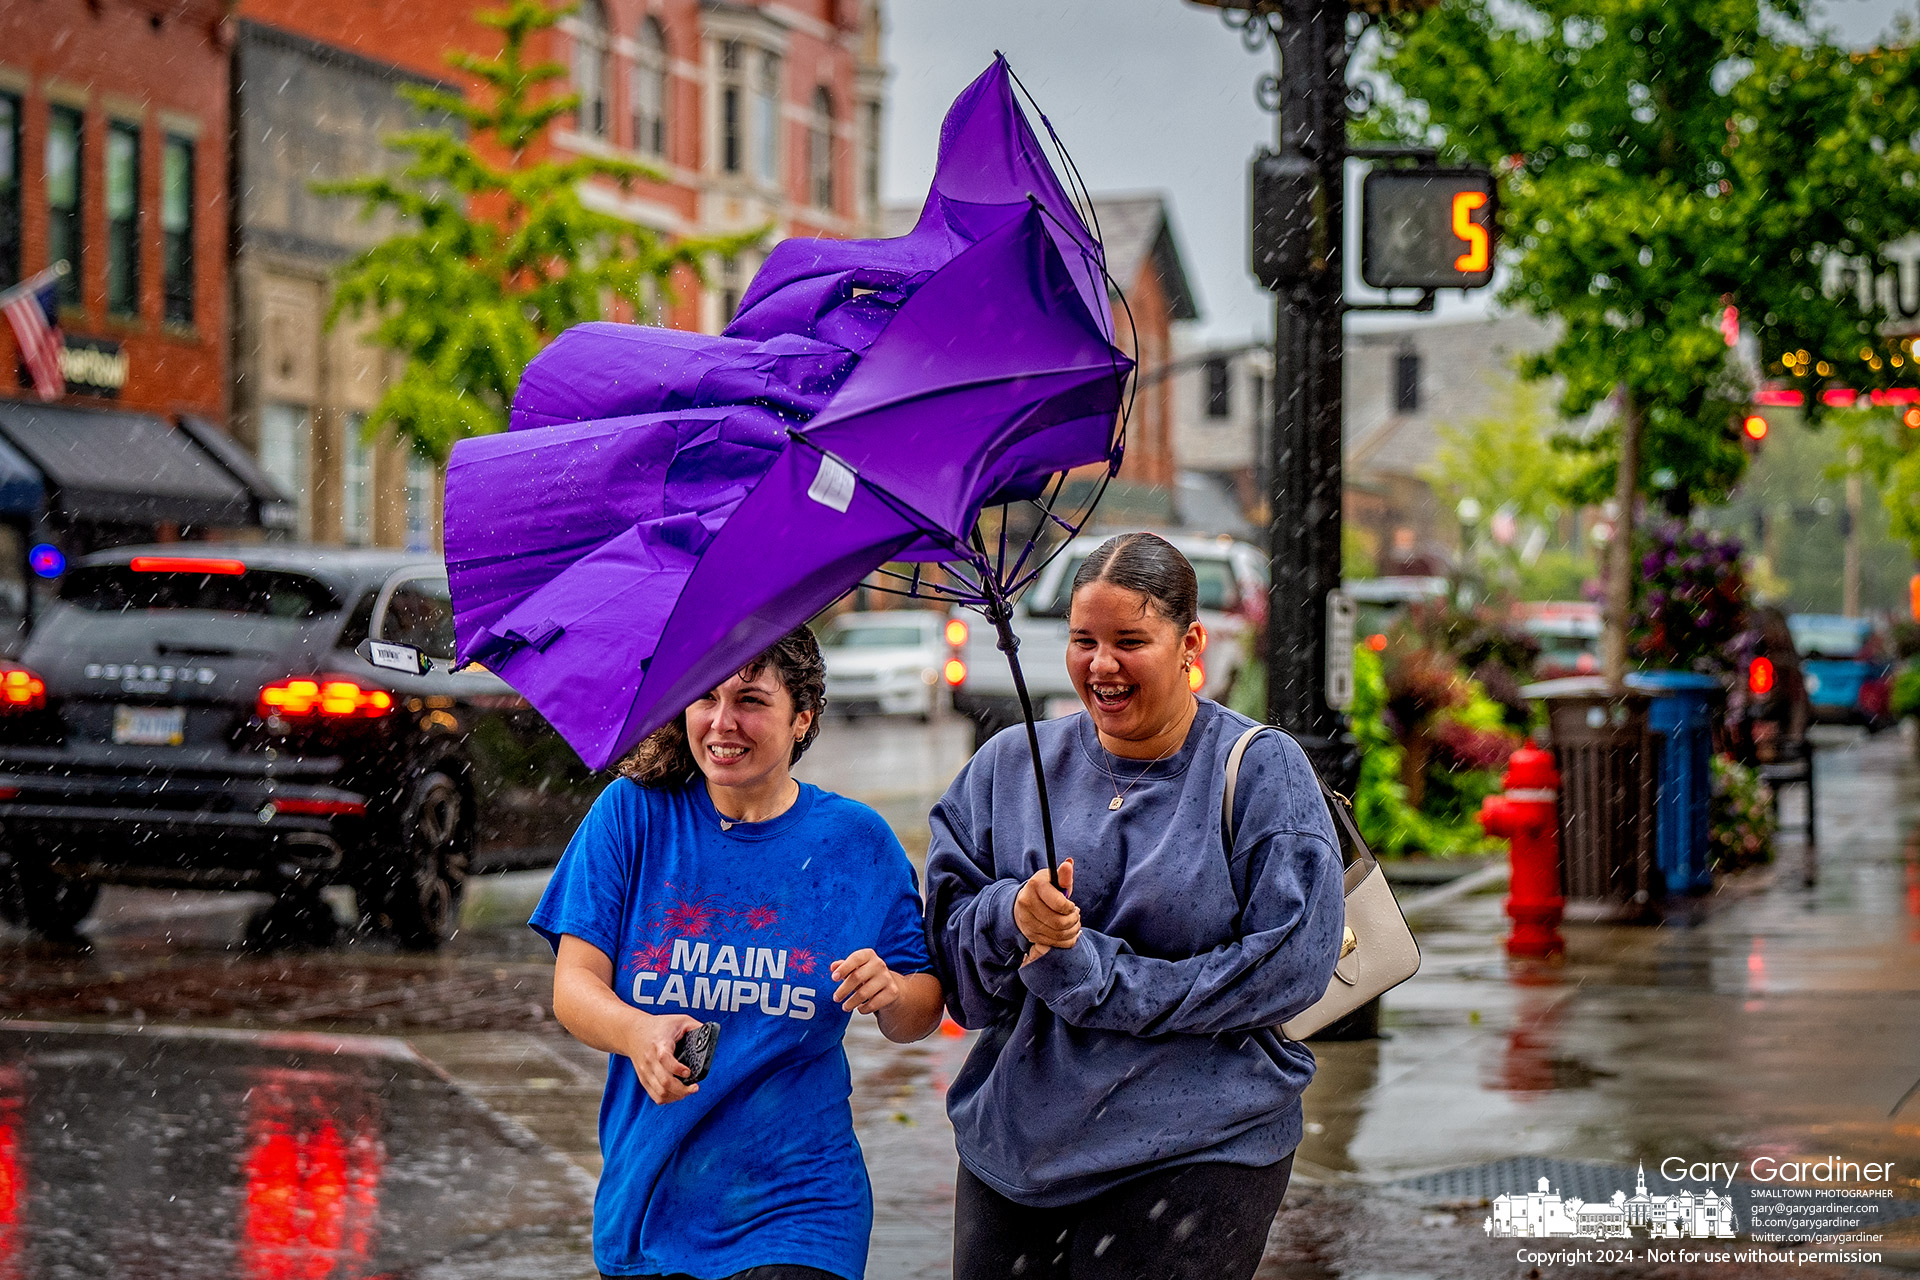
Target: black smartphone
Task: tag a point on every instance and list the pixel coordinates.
(695, 1051)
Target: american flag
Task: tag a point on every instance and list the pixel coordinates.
(31, 308)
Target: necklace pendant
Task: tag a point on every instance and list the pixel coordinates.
(1114, 803)
(725, 825)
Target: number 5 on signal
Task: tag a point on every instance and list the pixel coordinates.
(1479, 249)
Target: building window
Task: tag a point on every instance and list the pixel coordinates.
(728, 299)
(64, 192)
(766, 119)
(1257, 396)
(176, 231)
(730, 107)
(590, 45)
(820, 150)
(650, 90)
(356, 482)
(1406, 382)
(123, 218)
(1219, 388)
(9, 189)
(285, 442)
(870, 162)
(420, 503)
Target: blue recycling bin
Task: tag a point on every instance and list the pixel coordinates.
(1682, 711)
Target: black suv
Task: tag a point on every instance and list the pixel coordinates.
(193, 715)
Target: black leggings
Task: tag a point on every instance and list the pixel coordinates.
(778, 1271)
(1192, 1222)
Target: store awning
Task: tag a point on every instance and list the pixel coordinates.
(21, 492)
(273, 507)
(124, 467)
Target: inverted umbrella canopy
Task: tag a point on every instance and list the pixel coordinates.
(669, 504)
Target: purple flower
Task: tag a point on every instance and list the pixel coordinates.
(1650, 563)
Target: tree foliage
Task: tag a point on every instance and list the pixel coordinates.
(495, 252)
(1658, 163)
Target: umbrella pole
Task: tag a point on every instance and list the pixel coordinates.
(1000, 616)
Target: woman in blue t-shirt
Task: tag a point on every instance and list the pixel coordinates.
(707, 885)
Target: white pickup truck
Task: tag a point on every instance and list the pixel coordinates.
(1233, 595)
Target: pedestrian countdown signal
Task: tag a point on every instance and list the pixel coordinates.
(1427, 228)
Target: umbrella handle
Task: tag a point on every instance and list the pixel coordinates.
(1009, 644)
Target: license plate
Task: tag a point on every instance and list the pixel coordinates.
(150, 726)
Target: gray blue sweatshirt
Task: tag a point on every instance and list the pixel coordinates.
(1144, 1045)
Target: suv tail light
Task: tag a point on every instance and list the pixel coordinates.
(956, 633)
(1196, 677)
(20, 689)
(1760, 676)
(187, 564)
(322, 697)
(955, 672)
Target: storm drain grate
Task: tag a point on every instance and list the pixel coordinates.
(1596, 1181)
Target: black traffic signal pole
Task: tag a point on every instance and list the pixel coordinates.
(1298, 251)
(1303, 532)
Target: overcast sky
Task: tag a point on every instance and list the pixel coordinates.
(1147, 95)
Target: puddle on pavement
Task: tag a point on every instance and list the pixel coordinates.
(197, 1156)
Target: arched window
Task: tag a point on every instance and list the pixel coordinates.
(650, 91)
(820, 150)
(590, 50)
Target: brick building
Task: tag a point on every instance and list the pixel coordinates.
(1143, 257)
(759, 113)
(113, 155)
(113, 159)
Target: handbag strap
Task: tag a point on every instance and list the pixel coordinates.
(1338, 804)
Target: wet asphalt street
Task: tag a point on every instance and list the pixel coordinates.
(174, 1105)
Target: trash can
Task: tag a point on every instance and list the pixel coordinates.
(1682, 711)
(1608, 761)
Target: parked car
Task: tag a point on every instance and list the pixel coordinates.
(192, 717)
(1233, 587)
(1568, 632)
(1849, 673)
(884, 663)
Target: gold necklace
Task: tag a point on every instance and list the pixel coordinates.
(1120, 796)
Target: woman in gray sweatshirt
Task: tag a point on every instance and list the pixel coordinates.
(1127, 1110)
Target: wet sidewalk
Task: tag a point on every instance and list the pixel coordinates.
(1773, 1020)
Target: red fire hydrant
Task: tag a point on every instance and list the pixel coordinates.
(1525, 815)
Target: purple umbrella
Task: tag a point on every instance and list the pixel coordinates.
(667, 504)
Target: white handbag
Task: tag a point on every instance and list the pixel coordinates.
(1377, 950)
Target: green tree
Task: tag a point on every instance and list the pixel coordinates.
(1507, 464)
(1659, 163)
(496, 254)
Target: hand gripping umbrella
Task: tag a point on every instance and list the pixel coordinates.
(667, 504)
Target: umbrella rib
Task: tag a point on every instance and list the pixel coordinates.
(915, 585)
(1046, 510)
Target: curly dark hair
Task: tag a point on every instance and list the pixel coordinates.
(666, 760)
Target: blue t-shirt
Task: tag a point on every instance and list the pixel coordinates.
(736, 927)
